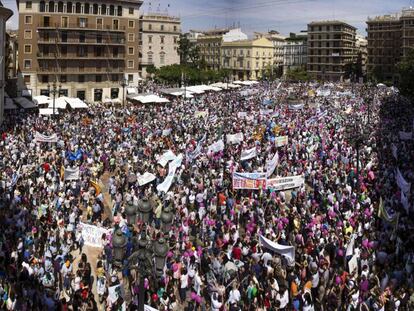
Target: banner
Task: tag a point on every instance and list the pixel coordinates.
(285, 183)
(145, 178)
(217, 146)
(384, 214)
(296, 106)
(248, 154)
(286, 251)
(166, 132)
(353, 265)
(394, 151)
(252, 181)
(201, 114)
(316, 117)
(404, 202)
(235, 138)
(281, 141)
(45, 139)
(242, 114)
(71, 173)
(92, 235)
(95, 185)
(197, 151)
(265, 112)
(165, 158)
(172, 168)
(271, 165)
(406, 135)
(401, 182)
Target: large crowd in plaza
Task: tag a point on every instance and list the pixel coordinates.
(341, 240)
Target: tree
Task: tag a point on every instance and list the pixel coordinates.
(188, 51)
(297, 74)
(151, 70)
(405, 68)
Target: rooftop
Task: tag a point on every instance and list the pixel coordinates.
(160, 16)
(330, 22)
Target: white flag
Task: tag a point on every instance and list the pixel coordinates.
(271, 165)
(248, 154)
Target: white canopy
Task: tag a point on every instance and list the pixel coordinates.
(76, 103)
(47, 111)
(220, 85)
(246, 83)
(25, 103)
(188, 94)
(196, 89)
(60, 103)
(131, 90)
(8, 104)
(233, 86)
(151, 98)
(42, 100)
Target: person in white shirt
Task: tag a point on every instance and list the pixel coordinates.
(234, 296)
(215, 303)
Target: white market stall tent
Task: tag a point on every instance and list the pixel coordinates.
(150, 98)
(25, 103)
(196, 89)
(63, 102)
(47, 111)
(42, 100)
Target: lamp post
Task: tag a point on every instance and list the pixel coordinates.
(167, 217)
(119, 243)
(124, 82)
(55, 90)
(131, 213)
(144, 208)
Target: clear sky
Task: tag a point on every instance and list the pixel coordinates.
(262, 15)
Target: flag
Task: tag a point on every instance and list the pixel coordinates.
(383, 213)
(95, 185)
(62, 172)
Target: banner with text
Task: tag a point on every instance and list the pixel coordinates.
(285, 183)
(235, 138)
(281, 141)
(92, 235)
(252, 181)
(45, 139)
(248, 154)
(271, 165)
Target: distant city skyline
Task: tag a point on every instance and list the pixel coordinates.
(284, 16)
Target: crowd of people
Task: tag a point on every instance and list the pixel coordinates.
(350, 224)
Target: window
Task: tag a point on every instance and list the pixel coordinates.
(130, 50)
(149, 39)
(86, 8)
(82, 37)
(65, 22)
(28, 4)
(78, 8)
(150, 26)
(51, 7)
(115, 24)
(103, 9)
(162, 58)
(63, 79)
(42, 6)
(162, 39)
(149, 58)
(95, 9)
(63, 92)
(111, 10)
(130, 64)
(45, 92)
(130, 78)
(114, 92)
(131, 24)
(26, 79)
(98, 38)
(69, 7)
(114, 78)
(98, 78)
(81, 95)
(175, 40)
(119, 10)
(131, 37)
(162, 27)
(27, 34)
(83, 22)
(28, 19)
(175, 28)
(27, 64)
(27, 49)
(81, 78)
(99, 23)
(97, 95)
(131, 11)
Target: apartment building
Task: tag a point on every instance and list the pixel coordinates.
(361, 46)
(407, 30)
(5, 14)
(87, 47)
(11, 59)
(247, 59)
(278, 42)
(210, 43)
(295, 52)
(159, 40)
(331, 48)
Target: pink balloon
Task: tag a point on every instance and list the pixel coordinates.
(175, 267)
(365, 243)
(280, 226)
(193, 295)
(198, 299)
(371, 244)
(338, 280)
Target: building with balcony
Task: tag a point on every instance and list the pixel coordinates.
(11, 60)
(86, 47)
(295, 52)
(331, 49)
(247, 59)
(159, 39)
(5, 14)
(278, 42)
(361, 46)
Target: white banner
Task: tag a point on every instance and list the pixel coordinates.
(404, 202)
(72, 173)
(165, 158)
(287, 251)
(252, 181)
(197, 151)
(248, 154)
(242, 114)
(201, 114)
(401, 182)
(217, 146)
(271, 165)
(265, 112)
(353, 265)
(45, 139)
(285, 183)
(166, 132)
(235, 138)
(92, 235)
(172, 168)
(406, 135)
(145, 178)
(281, 141)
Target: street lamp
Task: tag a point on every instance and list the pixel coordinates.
(131, 213)
(119, 243)
(124, 83)
(144, 208)
(167, 217)
(54, 90)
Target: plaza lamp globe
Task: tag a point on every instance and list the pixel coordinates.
(144, 208)
(160, 253)
(131, 213)
(119, 243)
(167, 217)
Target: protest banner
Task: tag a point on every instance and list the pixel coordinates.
(92, 235)
(401, 182)
(71, 173)
(271, 165)
(286, 251)
(166, 132)
(296, 106)
(265, 112)
(165, 158)
(252, 181)
(406, 135)
(248, 154)
(197, 151)
(45, 139)
(201, 114)
(353, 265)
(281, 141)
(216, 147)
(172, 168)
(234, 138)
(242, 114)
(285, 183)
(145, 178)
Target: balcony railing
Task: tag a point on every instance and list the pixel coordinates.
(76, 56)
(83, 71)
(78, 42)
(81, 26)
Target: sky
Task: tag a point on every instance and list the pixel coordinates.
(284, 16)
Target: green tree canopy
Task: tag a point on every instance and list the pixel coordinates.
(406, 70)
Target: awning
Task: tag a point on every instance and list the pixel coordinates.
(151, 98)
(60, 103)
(42, 100)
(25, 103)
(76, 103)
(194, 89)
(47, 111)
(8, 104)
(131, 90)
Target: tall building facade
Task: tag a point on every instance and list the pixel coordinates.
(87, 47)
(295, 52)
(361, 46)
(331, 48)
(159, 39)
(11, 60)
(278, 42)
(247, 59)
(5, 14)
(407, 30)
